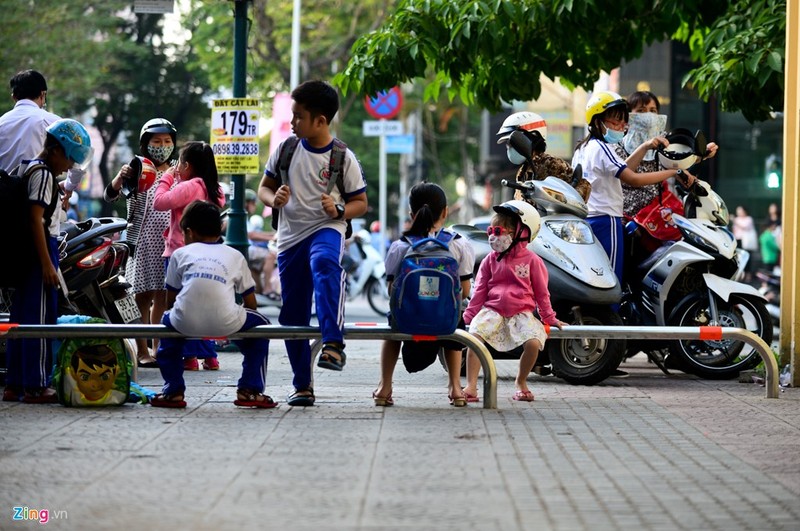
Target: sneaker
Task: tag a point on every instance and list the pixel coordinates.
(191, 364)
(616, 373)
(210, 364)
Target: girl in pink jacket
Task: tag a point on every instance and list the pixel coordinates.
(198, 180)
(511, 284)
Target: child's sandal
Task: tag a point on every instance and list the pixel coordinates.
(328, 361)
(168, 400)
(250, 398)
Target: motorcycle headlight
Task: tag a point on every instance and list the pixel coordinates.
(572, 231)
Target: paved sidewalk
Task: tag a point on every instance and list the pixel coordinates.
(645, 452)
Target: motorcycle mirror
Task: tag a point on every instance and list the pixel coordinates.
(701, 144)
(521, 144)
(577, 175)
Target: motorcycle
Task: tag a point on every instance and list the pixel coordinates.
(92, 268)
(367, 274)
(770, 288)
(582, 284)
(694, 282)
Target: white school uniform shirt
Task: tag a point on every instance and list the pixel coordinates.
(308, 178)
(22, 133)
(207, 277)
(40, 191)
(602, 168)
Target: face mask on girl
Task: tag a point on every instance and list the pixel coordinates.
(159, 154)
(642, 126)
(611, 136)
(513, 157)
(500, 243)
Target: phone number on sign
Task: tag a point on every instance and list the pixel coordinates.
(235, 149)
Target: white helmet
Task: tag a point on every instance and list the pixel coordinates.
(681, 153)
(526, 121)
(525, 212)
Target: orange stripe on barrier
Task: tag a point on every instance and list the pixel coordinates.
(365, 324)
(547, 329)
(710, 333)
(424, 338)
(5, 327)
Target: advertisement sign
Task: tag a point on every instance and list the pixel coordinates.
(234, 135)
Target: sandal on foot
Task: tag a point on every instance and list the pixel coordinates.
(328, 361)
(249, 398)
(167, 400)
(457, 401)
(147, 362)
(301, 398)
(523, 396)
(382, 401)
(41, 395)
(469, 396)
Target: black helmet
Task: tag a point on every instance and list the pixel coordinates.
(155, 126)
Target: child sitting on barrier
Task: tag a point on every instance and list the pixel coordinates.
(428, 204)
(511, 284)
(202, 280)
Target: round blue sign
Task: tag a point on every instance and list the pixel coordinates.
(384, 105)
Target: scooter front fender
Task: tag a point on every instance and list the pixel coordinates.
(724, 287)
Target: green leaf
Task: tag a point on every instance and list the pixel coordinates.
(775, 61)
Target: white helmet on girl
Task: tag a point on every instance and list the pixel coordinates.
(525, 212)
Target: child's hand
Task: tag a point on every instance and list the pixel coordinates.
(329, 206)
(281, 196)
(559, 324)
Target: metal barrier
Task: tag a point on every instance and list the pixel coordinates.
(377, 331)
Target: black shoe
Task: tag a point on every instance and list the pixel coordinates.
(616, 373)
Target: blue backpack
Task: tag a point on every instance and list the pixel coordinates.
(426, 293)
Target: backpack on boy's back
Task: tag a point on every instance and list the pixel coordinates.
(92, 372)
(426, 292)
(15, 227)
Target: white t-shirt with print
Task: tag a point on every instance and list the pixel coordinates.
(207, 277)
(308, 180)
(601, 167)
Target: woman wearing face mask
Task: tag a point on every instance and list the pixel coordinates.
(644, 123)
(146, 226)
(607, 119)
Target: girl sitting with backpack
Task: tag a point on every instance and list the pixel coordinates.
(428, 204)
(511, 284)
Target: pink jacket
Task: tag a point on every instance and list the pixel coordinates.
(175, 201)
(516, 284)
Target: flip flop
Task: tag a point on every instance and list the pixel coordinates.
(254, 399)
(469, 396)
(523, 396)
(457, 401)
(301, 400)
(165, 400)
(326, 361)
(382, 401)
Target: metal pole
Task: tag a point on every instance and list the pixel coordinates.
(294, 74)
(236, 235)
(382, 191)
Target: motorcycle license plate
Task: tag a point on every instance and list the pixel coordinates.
(127, 309)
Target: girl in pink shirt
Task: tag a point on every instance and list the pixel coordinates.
(511, 284)
(198, 180)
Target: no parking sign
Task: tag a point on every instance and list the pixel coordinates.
(384, 105)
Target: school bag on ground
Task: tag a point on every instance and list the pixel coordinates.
(336, 168)
(92, 372)
(15, 229)
(426, 293)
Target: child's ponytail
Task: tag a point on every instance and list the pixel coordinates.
(200, 156)
(427, 202)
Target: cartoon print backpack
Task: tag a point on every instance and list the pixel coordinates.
(92, 372)
(426, 293)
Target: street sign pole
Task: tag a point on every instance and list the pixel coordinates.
(382, 193)
(236, 235)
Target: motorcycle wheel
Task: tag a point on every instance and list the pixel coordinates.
(579, 366)
(378, 296)
(720, 360)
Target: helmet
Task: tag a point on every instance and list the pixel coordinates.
(74, 138)
(525, 212)
(375, 226)
(600, 102)
(681, 153)
(526, 121)
(143, 178)
(250, 195)
(158, 125)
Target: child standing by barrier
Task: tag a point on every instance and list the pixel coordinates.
(207, 270)
(428, 204)
(511, 285)
(197, 180)
(311, 230)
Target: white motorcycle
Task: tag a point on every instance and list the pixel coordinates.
(695, 282)
(368, 276)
